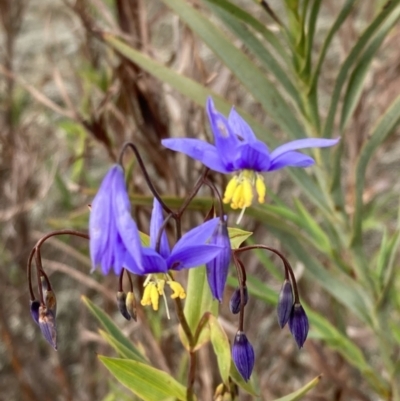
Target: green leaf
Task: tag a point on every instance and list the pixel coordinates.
(121, 349)
(238, 379)
(198, 302)
(238, 236)
(297, 395)
(241, 15)
(258, 49)
(382, 130)
(222, 349)
(243, 68)
(112, 329)
(350, 60)
(357, 78)
(145, 381)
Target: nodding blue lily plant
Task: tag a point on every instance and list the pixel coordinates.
(115, 241)
(238, 151)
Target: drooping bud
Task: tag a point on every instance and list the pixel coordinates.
(285, 303)
(217, 269)
(298, 324)
(130, 303)
(243, 355)
(47, 324)
(234, 303)
(49, 296)
(121, 302)
(35, 305)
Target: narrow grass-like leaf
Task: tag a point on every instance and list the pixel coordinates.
(299, 394)
(357, 78)
(351, 59)
(122, 349)
(143, 380)
(241, 15)
(382, 130)
(259, 51)
(110, 327)
(242, 67)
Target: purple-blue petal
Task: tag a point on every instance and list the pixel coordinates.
(198, 150)
(125, 224)
(99, 219)
(243, 355)
(198, 235)
(217, 268)
(240, 127)
(153, 262)
(253, 156)
(155, 225)
(226, 141)
(302, 144)
(192, 256)
(291, 159)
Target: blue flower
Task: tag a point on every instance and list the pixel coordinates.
(237, 150)
(243, 355)
(114, 237)
(190, 251)
(217, 269)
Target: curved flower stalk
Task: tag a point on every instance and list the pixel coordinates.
(238, 151)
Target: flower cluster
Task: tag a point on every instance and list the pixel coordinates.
(117, 246)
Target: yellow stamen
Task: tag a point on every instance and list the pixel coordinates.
(260, 188)
(237, 197)
(146, 299)
(247, 193)
(160, 286)
(154, 295)
(177, 289)
(230, 189)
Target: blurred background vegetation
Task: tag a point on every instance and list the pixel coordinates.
(68, 101)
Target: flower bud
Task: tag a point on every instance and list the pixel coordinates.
(298, 324)
(121, 302)
(130, 303)
(47, 324)
(217, 269)
(243, 355)
(35, 305)
(285, 303)
(49, 296)
(234, 303)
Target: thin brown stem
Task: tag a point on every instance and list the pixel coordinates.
(288, 267)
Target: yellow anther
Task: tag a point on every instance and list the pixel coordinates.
(247, 193)
(154, 295)
(160, 286)
(260, 188)
(237, 197)
(146, 299)
(230, 189)
(177, 289)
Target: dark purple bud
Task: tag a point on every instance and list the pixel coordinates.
(217, 269)
(35, 305)
(234, 303)
(243, 355)
(285, 303)
(130, 303)
(298, 324)
(121, 298)
(47, 324)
